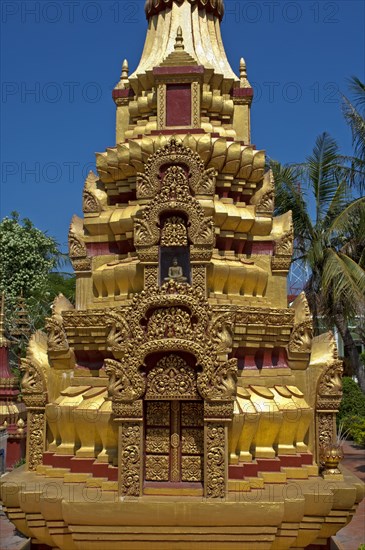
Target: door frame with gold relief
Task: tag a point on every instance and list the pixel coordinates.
(173, 426)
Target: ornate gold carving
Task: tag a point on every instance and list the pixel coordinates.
(158, 413)
(326, 422)
(215, 460)
(173, 318)
(330, 383)
(221, 330)
(33, 380)
(150, 277)
(284, 246)
(84, 319)
(302, 334)
(157, 440)
(192, 414)
(119, 332)
(195, 104)
(175, 441)
(35, 444)
(93, 199)
(191, 468)
(241, 162)
(130, 462)
(77, 247)
(125, 382)
(192, 441)
(301, 338)
(172, 378)
(200, 180)
(128, 410)
(174, 232)
(265, 196)
(218, 409)
(219, 381)
(161, 106)
(174, 322)
(57, 338)
(280, 263)
(329, 389)
(199, 280)
(264, 316)
(157, 468)
(174, 194)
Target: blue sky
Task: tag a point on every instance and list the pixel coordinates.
(61, 59)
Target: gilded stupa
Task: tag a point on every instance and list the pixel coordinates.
(181, 403)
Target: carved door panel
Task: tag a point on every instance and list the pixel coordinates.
(174, 441)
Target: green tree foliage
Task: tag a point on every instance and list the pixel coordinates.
(329, 238)
(352, 411)
(29, 258)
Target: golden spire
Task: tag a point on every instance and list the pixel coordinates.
(199, 21)
(125, 72)
(244, 83)
(4, 342)
(179, 41)
(152, 7)
(123, 83)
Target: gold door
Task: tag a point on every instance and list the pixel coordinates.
(174, 441)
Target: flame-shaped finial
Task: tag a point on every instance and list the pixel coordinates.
(125, 71)
(179, 41)
(244, 83)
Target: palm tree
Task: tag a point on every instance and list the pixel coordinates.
(329, 227)
(354, 113)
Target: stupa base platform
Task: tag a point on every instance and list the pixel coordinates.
(80, 515)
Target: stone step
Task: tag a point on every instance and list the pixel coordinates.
(273, 477)
(295, 473)
(76, 477)
(95, 481)
(57, 472)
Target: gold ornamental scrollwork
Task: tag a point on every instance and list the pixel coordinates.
(171, 319)
(119, 333)
(126, 382)
(200, 180)
(174, 232)
(191, 468)
(172, 378)
(215, 461)
(157, 468)
(301, 338)
(57, 338)
(36, 431)
(33, 381)
(130, 446)
(77, 247)
(174, 195)
(218, 382)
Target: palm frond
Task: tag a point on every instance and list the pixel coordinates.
(289, 195)
(343, 279)
(352, 216)
(321, 172)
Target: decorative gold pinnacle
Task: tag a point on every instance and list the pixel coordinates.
(179, 41)
(125, 72)
(244, 83)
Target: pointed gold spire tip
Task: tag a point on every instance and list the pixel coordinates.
(179, 41)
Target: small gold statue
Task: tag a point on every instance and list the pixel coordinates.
(175, 272)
